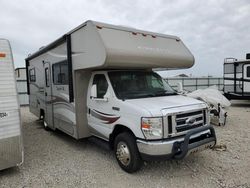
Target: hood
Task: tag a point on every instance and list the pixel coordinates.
(156, 105)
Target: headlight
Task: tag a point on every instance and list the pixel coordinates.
(152, 127)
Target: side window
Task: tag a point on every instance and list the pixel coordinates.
(101, 85)
(60, 73)
(248, 71)
(56, 72)
(47, 79)
(32, 75)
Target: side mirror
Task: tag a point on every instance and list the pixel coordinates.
(93, 93)
(107, 95)
(179, 87)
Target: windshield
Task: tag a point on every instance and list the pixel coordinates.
(138, 84)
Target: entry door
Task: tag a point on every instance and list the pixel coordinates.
(247, 78)
(48, 96)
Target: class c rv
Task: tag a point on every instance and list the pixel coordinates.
(11, 147)
(97, 81)
(237, 78)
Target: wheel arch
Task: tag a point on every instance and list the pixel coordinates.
(119, 128)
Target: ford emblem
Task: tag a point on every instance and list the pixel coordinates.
(190, 121)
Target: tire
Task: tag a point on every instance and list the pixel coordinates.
(126, 152)
(45, 124)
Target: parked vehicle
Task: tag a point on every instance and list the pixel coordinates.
(97, 80)
(237, 78)
(22, 86)
(11, 148)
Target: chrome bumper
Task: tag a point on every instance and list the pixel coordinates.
(195, 140)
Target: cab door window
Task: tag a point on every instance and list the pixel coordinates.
(101, 85)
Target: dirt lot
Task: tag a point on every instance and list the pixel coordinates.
(53, 159)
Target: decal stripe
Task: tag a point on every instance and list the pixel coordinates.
(104, 113)
(108, 118)
(57, 99)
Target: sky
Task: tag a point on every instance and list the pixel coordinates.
(211, 29)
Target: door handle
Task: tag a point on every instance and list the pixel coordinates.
(45, 94)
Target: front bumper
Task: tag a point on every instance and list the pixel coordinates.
(177, 148)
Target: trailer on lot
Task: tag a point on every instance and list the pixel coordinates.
(237, 78)
(11, 148)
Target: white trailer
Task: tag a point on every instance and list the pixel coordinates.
(237, 78)
(11, 148)
(97, 80)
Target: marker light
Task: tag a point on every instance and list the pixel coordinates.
(2, 54)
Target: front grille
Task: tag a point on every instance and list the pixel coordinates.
(190, 120)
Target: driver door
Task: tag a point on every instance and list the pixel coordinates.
(100, 113)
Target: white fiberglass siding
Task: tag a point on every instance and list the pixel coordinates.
(10, 129)
(9, 118)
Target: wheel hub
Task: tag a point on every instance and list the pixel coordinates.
(123, 153)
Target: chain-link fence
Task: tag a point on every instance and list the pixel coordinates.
(191, 84)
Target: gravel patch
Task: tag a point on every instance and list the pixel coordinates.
(54, 159)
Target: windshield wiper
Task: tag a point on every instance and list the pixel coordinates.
(139, 95)
(164, 93)
(146, 95)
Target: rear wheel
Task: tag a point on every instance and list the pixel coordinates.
(45, 124)
(126, 152)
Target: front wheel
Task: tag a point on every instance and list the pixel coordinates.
(126, 152)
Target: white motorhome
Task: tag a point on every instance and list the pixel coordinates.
(97, 80)
(237, 78)
(11, 148)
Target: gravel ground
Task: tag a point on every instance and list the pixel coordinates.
(53, 159)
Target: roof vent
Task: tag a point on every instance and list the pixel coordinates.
(248, 56)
